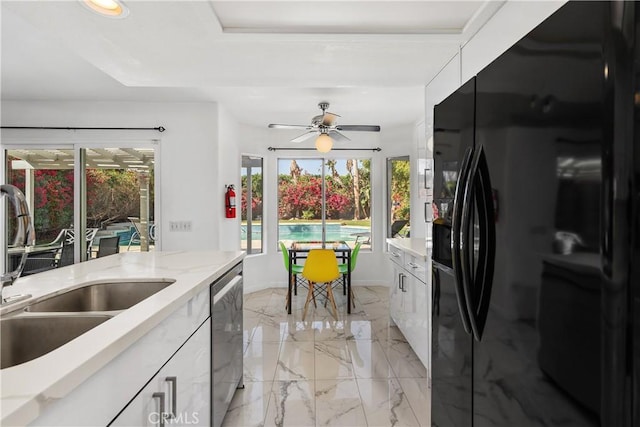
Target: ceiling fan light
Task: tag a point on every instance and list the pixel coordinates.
(324, 143)
(109, 8)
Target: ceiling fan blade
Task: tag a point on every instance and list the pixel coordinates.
(363, 128)
(338, 136)
(328, 118)
(304, 136)
(279, 126)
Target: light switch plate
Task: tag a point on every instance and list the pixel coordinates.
(180, 226)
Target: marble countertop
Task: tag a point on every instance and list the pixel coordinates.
(414, 246)
(25, 388)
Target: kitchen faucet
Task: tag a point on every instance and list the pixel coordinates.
(25, 236)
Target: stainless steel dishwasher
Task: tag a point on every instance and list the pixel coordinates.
(226, 341)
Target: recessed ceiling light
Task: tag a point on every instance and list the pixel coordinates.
(109, 8)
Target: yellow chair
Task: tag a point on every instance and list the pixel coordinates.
(321, 266)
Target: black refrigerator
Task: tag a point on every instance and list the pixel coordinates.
(535, 248)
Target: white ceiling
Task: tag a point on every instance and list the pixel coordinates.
(264, 61)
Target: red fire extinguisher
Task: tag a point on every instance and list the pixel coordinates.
(230, 202)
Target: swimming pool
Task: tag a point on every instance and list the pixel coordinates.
(307, 231)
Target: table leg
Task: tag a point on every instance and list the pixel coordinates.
(348, 283)
(344, 285)
(290, 276)
(294, 256)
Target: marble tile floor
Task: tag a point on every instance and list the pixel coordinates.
(356, 371)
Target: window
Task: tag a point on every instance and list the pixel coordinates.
(251, 209)
(399, 202)
(324, 200)
(120, 196)
(116, 199)
(45, 176)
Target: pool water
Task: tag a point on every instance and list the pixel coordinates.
(307, 231)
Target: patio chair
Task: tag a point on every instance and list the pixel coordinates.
(398, 225)
(365, 235)
(152, 233)
(37, 263)
(321, 267)
(70, 237)
(108, 246)
(135, 236)
(66, 255)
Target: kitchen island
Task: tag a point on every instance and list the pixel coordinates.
(93, 378)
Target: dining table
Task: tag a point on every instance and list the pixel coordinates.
(299, 250)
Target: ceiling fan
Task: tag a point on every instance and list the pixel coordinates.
(326, 128)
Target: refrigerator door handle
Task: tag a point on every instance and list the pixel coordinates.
(477, 286)
(456, 239)
(486, 261)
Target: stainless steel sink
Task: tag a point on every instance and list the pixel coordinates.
(28, 337)
(100, 297)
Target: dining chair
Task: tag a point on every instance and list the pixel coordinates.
(108, 246)
(321, 267)
(345, 269)
(296, 270)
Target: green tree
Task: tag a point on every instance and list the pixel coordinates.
(256, 200)
(112, 195)
(400, 189)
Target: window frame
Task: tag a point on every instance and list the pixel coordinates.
(323, 160)
(247, 161)
(93, 140)
(389, 202)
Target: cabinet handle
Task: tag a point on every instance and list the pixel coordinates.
(160, 396)
(399, 280)
(402, 281)
(413, 264)
(173, 413)
(395, 255)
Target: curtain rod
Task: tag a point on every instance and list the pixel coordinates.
(333, 149)
(159, 128)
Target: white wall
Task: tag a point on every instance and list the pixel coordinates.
(267, 269)
(228, 163)
(190, 187)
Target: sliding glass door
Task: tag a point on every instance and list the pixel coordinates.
(46, 177)
(324, 200)
(115, 198)
(120, 197)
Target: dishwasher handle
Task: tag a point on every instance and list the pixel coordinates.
(222, 292)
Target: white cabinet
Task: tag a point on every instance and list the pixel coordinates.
(408, 302)
(99, 399)
(179, 394)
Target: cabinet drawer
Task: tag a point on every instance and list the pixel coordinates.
(416, 266)
(396, 255)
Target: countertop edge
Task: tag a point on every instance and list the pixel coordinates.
(22, 405)
(413, 245)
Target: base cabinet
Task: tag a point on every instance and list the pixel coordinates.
(179, 394)
(408, 301)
